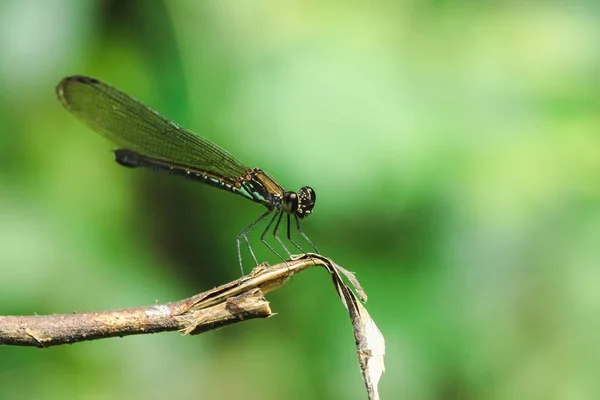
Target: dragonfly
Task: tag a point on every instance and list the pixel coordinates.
(149, 140)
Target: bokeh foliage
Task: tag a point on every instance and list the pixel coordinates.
(454, 147)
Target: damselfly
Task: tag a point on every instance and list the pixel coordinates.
(147, 139)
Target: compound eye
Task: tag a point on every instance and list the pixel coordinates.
(306, 200)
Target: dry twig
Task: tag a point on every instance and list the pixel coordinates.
(233, 302)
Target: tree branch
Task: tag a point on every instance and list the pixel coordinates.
(233, 302)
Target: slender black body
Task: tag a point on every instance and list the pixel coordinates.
(147, 139)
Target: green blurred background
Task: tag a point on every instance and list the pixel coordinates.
(454, 147)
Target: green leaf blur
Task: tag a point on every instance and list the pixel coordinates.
(454, 147)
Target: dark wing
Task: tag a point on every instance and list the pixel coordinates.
(132, 125)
